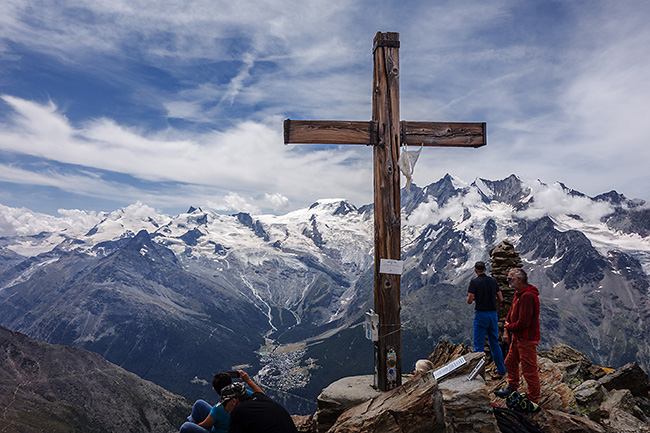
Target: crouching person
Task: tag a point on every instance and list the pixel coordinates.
(254, 413)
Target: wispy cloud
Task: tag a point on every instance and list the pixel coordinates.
(185, 100)
(240, 159)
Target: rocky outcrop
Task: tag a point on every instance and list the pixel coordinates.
(580, 397)
(340, 396)
(561, 422)
(446, 352)
(577, 396)
(466, 405)
(421, 404)
(409, 408)
(45, 387)
(621, 412)
(630, 377)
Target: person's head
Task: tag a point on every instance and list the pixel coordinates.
(422, 366)
(479, 267)
(232, 395)
(221, 380)
(517, 278)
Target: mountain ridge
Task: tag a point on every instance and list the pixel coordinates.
(56, 388)
(303, 280)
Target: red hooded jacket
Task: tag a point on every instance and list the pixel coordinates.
(523, 317)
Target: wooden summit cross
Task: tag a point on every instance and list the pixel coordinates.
(385, 133)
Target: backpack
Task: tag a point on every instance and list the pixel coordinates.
(510, 421)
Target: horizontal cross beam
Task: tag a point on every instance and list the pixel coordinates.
(443, 134)
(329, 132)
(454, 134)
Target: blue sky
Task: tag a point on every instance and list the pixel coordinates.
(179, 103)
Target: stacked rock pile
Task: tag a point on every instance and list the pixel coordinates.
(503, 258)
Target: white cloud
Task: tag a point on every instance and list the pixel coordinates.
(554, 200)
(276, 201)
(24, 222)
(237, 203)
(138, 212)
(431, 213)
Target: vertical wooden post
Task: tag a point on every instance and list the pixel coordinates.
(385, 133)
(385, 116)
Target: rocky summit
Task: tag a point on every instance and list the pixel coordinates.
(577, 396)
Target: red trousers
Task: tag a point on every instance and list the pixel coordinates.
(524, 352)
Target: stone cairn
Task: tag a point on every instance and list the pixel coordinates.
(503, 258)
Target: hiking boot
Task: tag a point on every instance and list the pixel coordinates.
(522, 403)
(513, 401)
(533, 407)
(497, 376)
(504, 393)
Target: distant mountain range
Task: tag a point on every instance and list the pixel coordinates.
(175, 299)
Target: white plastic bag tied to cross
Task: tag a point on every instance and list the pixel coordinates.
(406, 164)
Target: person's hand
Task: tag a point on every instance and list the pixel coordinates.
(506, 336)
(247, 379)
(244, 376)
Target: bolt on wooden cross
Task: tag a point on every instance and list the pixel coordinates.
(386, 134)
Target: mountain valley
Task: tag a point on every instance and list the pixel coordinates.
(175, 299)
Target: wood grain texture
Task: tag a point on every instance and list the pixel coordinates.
(444, 134)
(327, 132)
(386, 179)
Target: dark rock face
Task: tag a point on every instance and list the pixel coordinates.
(630, 377)
(192, 236)
(52, 388)
(508, 190)
(258, 229)
(579, 263)
(441, 192)
(313, 233)
(633, 221)
(490, 232)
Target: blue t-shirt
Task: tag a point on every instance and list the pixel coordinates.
(221, 417)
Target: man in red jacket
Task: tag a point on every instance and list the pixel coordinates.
(522, 332)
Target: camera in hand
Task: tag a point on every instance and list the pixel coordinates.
(233, 373)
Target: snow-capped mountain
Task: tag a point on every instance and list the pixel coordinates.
(176, 298)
